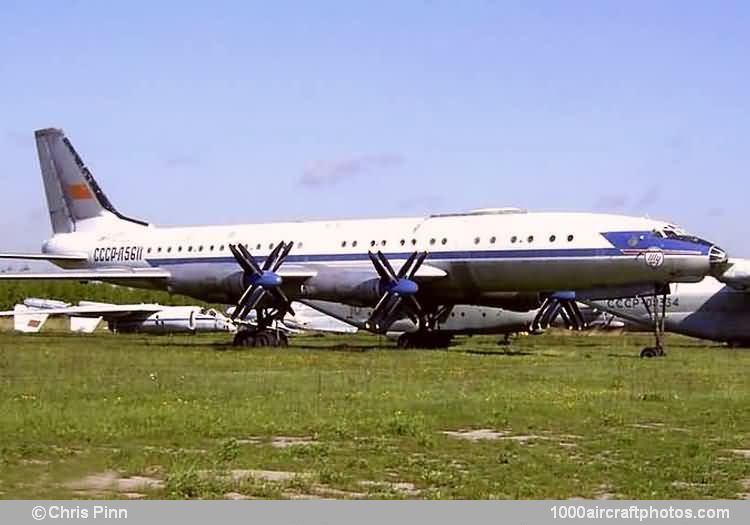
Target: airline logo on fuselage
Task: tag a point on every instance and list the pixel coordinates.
(654, 257)
(118, 254)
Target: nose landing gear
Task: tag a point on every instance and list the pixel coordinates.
(658, 315)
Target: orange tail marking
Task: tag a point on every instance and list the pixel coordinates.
(79, 191)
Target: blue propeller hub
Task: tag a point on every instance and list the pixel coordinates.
(404, 287)
(266, 280)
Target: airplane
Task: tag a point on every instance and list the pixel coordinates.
(508, 258)
(121, 318)
(708, 309)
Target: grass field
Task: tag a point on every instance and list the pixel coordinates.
(553, 416)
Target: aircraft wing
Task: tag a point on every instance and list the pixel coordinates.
(44, 257)
(99, 310)
(89, 275)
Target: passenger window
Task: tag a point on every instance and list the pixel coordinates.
(148, 251)
(190, 248)
(493, 239)
(402, 242)
(413, 242)
(169, 249)
(179, 248)
(299, 245)
(382, 243)
(570, 238)
(343, 244)
(444, 241)
(513, 239)
(221, 248)
(432, 241)
(354, 244)
(257, 247)
(552, 238)
(476, 240)
(531, 238)
(372, 243)
(158, 249)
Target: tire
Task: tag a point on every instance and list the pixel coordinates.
(649, 352)
(404, 341)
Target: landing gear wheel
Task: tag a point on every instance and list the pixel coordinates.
(653, 351)
(404, 341)
(244, 338)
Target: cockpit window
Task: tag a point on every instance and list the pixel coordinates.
(673, 232)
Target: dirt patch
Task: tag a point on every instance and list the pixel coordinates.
(290, 441)
(236, 496)
(34, 462)
(657, 426)
(482, 434)
(279, 441)
(746, 488)
(276, 476)
(744, 452)
(110, 481)
(604, 492)
(486, 434)
(402, 487)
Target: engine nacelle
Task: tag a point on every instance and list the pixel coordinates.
(357, 288)
(515, 301)
(737, 275)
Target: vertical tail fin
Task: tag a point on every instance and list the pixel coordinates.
(73, 196)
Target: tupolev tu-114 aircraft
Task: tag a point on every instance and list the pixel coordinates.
(403, 267)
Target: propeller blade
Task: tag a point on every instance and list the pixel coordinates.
(413, 309)
(283, 255)
(249, 259)
(387, 266)
(244, 300)
(282, 298)
(390, 315)
(565, 316)
(404, 271)
(272, 257)
(253, 301)
(536, 324)
(382, 272)
(552, 312)
(571, 314)
(578, 314)
(417, 264)
(247, 267)
(381, 303)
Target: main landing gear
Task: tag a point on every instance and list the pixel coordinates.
(658, 315)
(265, 332)
(264, 337)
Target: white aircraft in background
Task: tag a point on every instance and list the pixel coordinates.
(123, 318)
(404, 267)
(707, 310)
(461, 320)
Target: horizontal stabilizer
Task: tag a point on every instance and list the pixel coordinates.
(44, 257)
(88, 275)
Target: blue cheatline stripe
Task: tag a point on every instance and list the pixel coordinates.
(433, 256)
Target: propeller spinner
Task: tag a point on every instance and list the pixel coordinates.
(261, 281)
(399, 290)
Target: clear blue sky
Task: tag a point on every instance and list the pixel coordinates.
(246, 112)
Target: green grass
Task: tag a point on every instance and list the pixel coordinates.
(189, 412)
